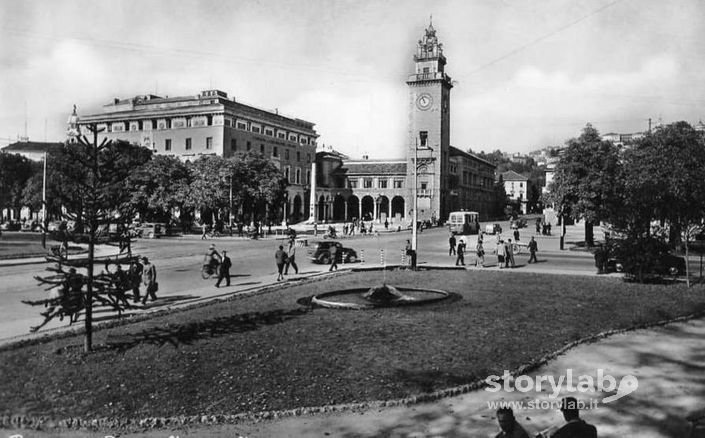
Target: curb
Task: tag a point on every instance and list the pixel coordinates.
(155, 423)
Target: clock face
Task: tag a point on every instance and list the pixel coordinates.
(424, 101)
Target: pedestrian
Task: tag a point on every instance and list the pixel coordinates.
(386, 224)
(333, 257)
(460, 260)
(451, 244)
(204, 233)
(291, 258)
(533, 247)
(315, 229)
(509, 427)
(149, 280)
(501, 252)
(280, 258)
(136, 269)
(480, 251)
(574, 426)
(509, 256)
(225, 265)
(548, 228)
(516, 235)
(538, 225)
(408, 251)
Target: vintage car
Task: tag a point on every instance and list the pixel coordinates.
(320, 252)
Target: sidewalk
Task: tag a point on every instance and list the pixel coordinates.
(667, 361)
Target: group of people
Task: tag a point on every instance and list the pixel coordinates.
(575, 427)
(543, 227)
(287, 258)
(504, 251)
(67, 298)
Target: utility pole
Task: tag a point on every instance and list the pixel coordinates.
(44, 203)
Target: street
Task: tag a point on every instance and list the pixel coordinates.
(179, 260)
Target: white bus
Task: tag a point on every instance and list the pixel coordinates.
(464, 222)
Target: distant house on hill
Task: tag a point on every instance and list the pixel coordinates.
(516, 187)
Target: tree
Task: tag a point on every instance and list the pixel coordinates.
(15, 171)
(663, 177)
(92, 186)
(586, 180)
(160, 187)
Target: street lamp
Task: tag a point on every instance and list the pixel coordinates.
(414, 232)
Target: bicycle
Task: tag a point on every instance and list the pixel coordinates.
(210, 269)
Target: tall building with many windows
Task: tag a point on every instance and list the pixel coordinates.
(210, 123)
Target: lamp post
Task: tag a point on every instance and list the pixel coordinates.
(414, 231)
(230, 210)
(44, 203)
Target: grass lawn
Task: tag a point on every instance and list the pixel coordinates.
(268, 352)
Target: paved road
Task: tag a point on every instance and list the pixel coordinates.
(178, 261)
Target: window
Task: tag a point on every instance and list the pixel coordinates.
(167, 144)
(398, 183)
(249, 146)
(188, 144)
(287, 172)
(367, 183)
(298, 156)
(424, 186)
(352, 183)
(209, 142)
(242, 125)
(261, 147)
(233, 144)
(275, 151)
(282, 135)
(308, 177)
(286, 154)
(298, 176)
(269, 132)
(423, 137)
(382, 183)
(308, 158)
(256, 129)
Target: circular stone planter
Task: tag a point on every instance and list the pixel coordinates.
(354, 299)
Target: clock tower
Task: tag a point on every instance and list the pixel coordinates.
(429, 129)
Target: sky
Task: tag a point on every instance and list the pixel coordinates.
(526, 74)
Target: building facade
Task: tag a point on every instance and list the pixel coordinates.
(210, 123)
(516, 187)
(447, 179)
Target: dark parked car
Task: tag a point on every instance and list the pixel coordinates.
(320, 253)
(668, 264)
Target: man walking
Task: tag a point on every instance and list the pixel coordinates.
(510, 254)
(291, 258)
(225, 265)
(280, 258)
(451, 244)
(149, 279)
(333, 257)
(461, 254)
(533, 247)
(136, 270)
